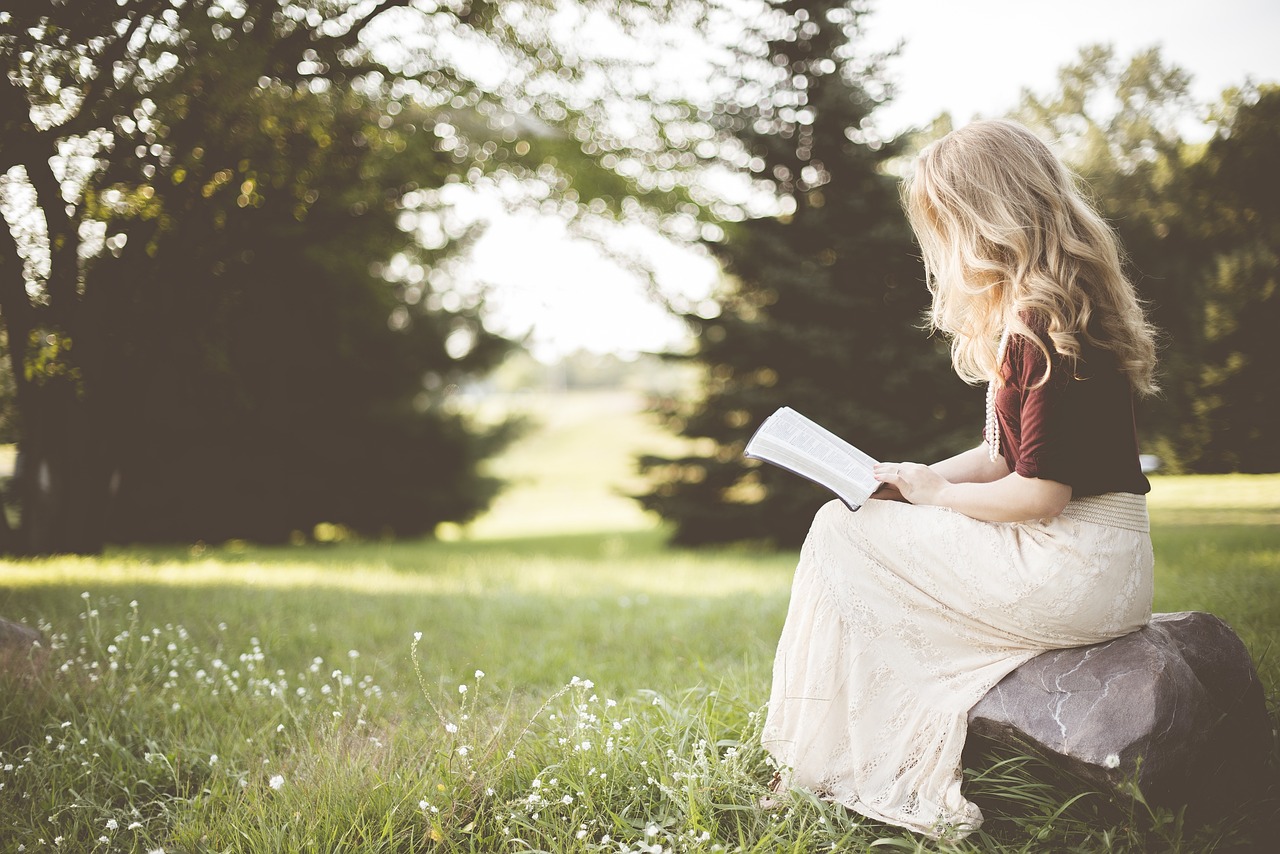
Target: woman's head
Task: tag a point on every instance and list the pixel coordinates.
(1008, 239)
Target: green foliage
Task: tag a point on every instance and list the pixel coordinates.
(821, 310)
(1199, 224)
(1237, 185)
(253, 349)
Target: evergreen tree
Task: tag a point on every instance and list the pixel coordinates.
(822, 306)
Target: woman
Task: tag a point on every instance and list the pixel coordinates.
(903, 615)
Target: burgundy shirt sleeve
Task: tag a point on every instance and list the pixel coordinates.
(1040, 415)
(1075, 428)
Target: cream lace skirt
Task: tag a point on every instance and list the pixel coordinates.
(903, 617)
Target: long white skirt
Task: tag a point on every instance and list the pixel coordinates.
(903, 617)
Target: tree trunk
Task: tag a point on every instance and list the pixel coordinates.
(60, 485)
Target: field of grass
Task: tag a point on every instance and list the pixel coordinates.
(547, 678)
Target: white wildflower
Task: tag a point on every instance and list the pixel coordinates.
(479, 674)
(1112, 760)
(276, 782)
(462, 689)
(112, 824)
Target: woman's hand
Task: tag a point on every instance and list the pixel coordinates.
(916, 483)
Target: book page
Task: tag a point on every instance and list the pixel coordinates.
(794, 442)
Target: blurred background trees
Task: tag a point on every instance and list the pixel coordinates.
(224, 279)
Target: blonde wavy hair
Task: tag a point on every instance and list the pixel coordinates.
(1009, 240)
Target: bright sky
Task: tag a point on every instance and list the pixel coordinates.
(975, 56)
(965, 56)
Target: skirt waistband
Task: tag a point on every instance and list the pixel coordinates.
(1117, 509)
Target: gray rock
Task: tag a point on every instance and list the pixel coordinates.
(1176, 706)
(18, 644)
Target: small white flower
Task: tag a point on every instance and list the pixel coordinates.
(213, 759)
(353, 654)
(479, 674)
(104, 840)
(451, 727)
(137, 825)
(462, 689)
(1112, 760)
(422, 805)
(463, 750)
(276, 782)
(566, 800)
(417, 636)
(112, 824)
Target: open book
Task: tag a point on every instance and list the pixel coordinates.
(790, 441)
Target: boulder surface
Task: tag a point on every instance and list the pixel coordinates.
(1176, 706)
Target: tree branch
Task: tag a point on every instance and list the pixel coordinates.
(292, 45)
(15, 305)
(85, 119)
(64, 241)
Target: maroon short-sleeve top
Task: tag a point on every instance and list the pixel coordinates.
(1077, 428)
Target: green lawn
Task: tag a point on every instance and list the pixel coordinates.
(164, 724)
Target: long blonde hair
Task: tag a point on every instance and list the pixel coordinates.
(1008, 240)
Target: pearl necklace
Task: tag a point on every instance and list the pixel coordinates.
(991, 433)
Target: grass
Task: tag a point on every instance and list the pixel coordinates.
(617, 711)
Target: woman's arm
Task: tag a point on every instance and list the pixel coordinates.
(972, 466)
(1012, 498)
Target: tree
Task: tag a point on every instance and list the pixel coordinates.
(822, 306)
(264, 378)
(1236, 187)
(75, 96)
(104, 153)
